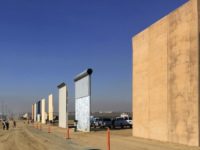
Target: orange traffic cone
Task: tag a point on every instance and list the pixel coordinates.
(40, 127)
(108, 139)
(67, 134)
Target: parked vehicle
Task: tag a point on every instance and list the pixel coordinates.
(94, 122)
(55, 120)
(105, 122)
(120, 122)
(129, 121)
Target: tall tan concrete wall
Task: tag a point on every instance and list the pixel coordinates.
(51, 110)
(165, 78)
(32, 112)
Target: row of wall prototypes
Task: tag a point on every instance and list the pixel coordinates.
(38, 110)
(82, 103)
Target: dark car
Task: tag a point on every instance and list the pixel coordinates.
(97, 122)
(105, 122)
(120, 122)
(94, 122)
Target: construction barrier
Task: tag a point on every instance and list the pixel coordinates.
(108, 139)
(40, 126)
(49, 129)
(67, 134)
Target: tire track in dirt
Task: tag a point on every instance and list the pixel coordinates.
(4, 137)
(19, 139)
(53, 141)
(8, 142)
(25, 137)
(26, 141)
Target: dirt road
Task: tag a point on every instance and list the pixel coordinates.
(28, 137)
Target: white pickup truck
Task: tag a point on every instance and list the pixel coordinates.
(129, 120)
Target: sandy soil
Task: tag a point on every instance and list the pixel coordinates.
(31, 137)
(25, 137)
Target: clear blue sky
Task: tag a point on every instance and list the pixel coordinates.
(46, 42)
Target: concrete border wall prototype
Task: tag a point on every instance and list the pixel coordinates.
(50, 99)
(38, 117)
(166, 78)
(62, 108)
(82, 100)
(35, 112)
(32, 115)
(38, 111)
(43, 112)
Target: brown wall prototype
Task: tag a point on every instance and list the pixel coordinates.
(166, 78)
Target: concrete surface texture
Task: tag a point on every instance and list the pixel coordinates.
(82, 102)
(82, 110)
(63, 112)
(51, 107)
(43, 112)
(38, 117)
(82, 87)
(166, 78)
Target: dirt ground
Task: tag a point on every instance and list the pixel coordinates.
(36, 137)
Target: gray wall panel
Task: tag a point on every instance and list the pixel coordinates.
(82, 87)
